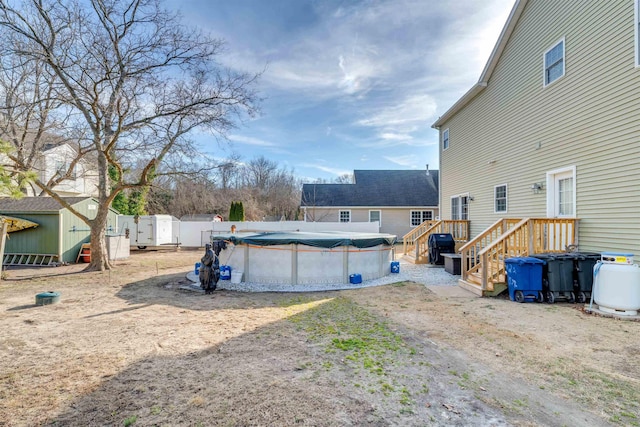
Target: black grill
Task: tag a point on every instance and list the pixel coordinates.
(439, 244)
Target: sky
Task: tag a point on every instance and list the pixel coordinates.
(349, 84)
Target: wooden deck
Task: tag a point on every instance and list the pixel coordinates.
(482, 258)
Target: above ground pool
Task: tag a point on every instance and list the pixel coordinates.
(301, 258)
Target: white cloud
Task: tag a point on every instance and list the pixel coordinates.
(248, 140)
(334, 171)
(403, 115)
(396, 137)
(408, 160)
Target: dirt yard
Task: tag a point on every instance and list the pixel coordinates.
(129, 348)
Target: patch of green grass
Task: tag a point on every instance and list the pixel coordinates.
(405, 397)
(521, 403)
(400, 284)
(156, 410)
(297, 300)
(129, 421)
(363, 342)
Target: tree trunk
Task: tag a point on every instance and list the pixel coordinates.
(99, 254)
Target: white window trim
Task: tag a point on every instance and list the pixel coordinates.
(340, 214)
(461, 195)
(380, 215)
(422, 220)
(506, 198)
(636, 39)
(564, 62)
(448, 140)
(551, 190)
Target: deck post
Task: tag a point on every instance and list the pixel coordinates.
(485, 271)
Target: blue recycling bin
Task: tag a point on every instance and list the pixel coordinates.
(225, 272)
(524, 278)
(395, 266)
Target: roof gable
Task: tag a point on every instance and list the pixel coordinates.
(377, 188)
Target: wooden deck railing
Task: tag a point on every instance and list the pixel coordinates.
(409, 240)
(416, 243)
(470, 260)
(526, 237)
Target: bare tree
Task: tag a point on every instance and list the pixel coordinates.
(134, 79)
(265, 190)
(346, 178)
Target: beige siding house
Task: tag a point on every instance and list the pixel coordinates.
(552, 128)
(399, 200)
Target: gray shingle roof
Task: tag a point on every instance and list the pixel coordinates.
(377, 188)
(35, 204)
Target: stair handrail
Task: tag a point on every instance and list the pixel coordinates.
(501, 222)
(535, 239)
(469, 251)
(409, 239)
(494, 264)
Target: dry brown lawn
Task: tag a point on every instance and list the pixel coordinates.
(130, 348)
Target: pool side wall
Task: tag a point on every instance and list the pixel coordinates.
(298, 264)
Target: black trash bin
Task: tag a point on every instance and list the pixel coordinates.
(557, 277)
(440, 243)
(583, 274)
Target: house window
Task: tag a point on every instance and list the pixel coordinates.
(460, 207)
(345, 216)
(375, 216)
(565, 196)
(445, 138)
(418, 217)
(500, 198)
(62, 167)
(554, 63)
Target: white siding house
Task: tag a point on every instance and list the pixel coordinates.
(552, 128)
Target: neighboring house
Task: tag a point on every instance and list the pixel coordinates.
(55, 159)
(399, 200)
(59, 234)
(552, 128)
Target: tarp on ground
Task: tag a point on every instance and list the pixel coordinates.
(329, 240)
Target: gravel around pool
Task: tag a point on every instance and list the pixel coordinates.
(420, 273)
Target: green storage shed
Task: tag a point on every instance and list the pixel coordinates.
(59, 234)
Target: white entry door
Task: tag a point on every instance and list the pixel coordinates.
(561, 193)
(561, 203)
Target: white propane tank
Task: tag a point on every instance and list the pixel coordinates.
(616, 288)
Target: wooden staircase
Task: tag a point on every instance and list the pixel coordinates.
(482, 258)
(415, 243)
